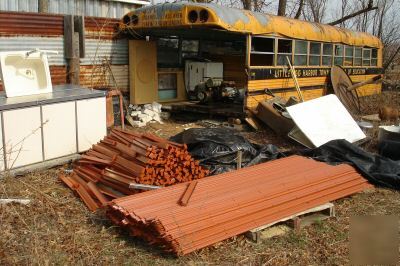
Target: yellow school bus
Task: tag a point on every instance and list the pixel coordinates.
(253, 47)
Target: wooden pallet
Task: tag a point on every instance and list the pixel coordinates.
(296, 222)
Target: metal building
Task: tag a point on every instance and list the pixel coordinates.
(93, 8)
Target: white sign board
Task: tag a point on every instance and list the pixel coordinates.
(325, 119)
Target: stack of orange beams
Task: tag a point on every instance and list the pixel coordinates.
(232, 203)
(124, 158)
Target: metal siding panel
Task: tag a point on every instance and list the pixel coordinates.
(18, 43)
(80, 7)
(96, 8)
(115, 51)
(71, 7)
(22, 23)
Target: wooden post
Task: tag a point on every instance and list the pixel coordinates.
(239, 159)
(43, 6)
(74, 45)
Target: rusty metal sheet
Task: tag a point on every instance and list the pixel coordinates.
(24, 23)
(28, 24)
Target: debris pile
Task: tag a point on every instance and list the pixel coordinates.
(143, 114)
(125, 161)
(222, 206)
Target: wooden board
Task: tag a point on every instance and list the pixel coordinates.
(143, 71)
(297, 221)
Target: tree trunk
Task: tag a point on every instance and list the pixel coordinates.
(43, 6)
(282, 8)
(300, 9)
(246, 4)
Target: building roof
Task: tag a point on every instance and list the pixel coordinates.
(175, 15)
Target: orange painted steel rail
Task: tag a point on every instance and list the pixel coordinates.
(232, 203)
(124, 157)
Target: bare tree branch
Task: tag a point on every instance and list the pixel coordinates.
(390, 60)
(362, 11)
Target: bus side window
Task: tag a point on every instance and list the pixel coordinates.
(366, 57)
(374, 57)
(358, 56)
(327, 54)
(348, 55)
(315, 54)
(338, 54)
(262, 51)
(300, 53)
(284, 50)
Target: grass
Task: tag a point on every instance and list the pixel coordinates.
(56, 228)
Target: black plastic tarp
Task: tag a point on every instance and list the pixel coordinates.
(377, 169)
(217, 148)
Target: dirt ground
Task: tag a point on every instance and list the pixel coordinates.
(56, 228)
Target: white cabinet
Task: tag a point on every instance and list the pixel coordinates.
(59, 129)
(22, 136)
(91, 121)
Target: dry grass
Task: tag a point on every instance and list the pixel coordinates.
(56, 228)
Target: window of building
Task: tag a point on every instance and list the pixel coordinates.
(366, 57)
(284, 50)
(358, 56)
(315, 54)
(327, 54)
(300, 53)
(348, 55)
(374, 57)
(338, 54)
(262, 51)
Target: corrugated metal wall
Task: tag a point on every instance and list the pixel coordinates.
(116, 51)
(47, 34)
(94, 8)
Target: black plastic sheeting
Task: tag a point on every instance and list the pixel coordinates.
(389, 149)
(377, 169)
(216, 148)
